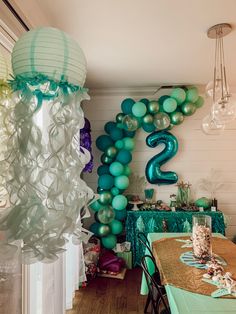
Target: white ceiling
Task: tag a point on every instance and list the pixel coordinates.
(130, 43)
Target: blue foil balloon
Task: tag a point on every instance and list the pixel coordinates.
(154, 174)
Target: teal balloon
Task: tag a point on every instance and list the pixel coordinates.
(116, 227)
(105, 198)
(120, 214)
(127, 171)
(139, 109)
(179, 95)
(169, 105)
(119, 202)
(116, 168)
(126, 105)
(148, 118)
(153, 107)
(145, 101)
(153, 171)
(109, 126)
(162, 99)
(129, 133)
(106, 181)
(161, 120)
(103, 169)
(103, 230)
(176, 118)
(116, 134)
(188, 108)
(149, 127)
(94, 228)
(109, 242)
(106, 214)
(121, 182)
(115, 191)
(192, 95)
(106, 160)
(128, 143)
(103, 142)
(119, 117)
(130, 123)
(111, 151)
(95, 206)
(124, 157)
(119, 144)
(200, 102)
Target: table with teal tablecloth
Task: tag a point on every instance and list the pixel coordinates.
(152, 221)
(185, 302)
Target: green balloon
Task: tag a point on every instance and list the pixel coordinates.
(119, 202)
(192, 95)
(148, 118)
(139, 109)
(109, 126)
(94, 228)
(106, 160)
(203, 202)
(120, 214)
(103, 230)
(126, 105)
(109, 242)
(169, 105)
(103, 141)
(179, 95)
(161, 120)
(105, 197)
(122, 182)
(95, 206)
(149, 127)
(145, 101)
(153, 107)
(124, 156)
(119, 117)
(115, 191)
(129, 133)
(103, 169)
(162, 99)
(106, 181)
(128, 143)
(119, 144)
(130, 123)
(176, 118)
(127, 171)
(116, 227)
(200, 102)
(106, 214)
(111, 151)
(116, 134)
(116, 168)
(188, 108)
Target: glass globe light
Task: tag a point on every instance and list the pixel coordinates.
(211, 126)
(225, 111)
(210, 88)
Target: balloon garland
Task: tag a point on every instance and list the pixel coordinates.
(116, 146)
(42, 163)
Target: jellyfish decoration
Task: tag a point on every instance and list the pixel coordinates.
(86, 142)
(42, 163)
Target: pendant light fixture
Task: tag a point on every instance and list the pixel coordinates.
(223, 108)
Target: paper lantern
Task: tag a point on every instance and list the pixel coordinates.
(51, 52)
(3, 67)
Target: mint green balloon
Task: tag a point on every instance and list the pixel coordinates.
(200, 102)
(95, 206)
(139, 109)
(119, 144)
(192, 95)
(119, 202)
(169, 105)
(116, 168)
(105, 197)
(121, 182)
(179, 95)
(115, 191)
(128, 143)
(127, 171)
(109, 242)
(116, 227)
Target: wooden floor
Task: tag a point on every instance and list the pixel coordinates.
(111, 296)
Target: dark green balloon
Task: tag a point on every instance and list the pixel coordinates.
(124, 157)
(144, 101)
(129, 133)
(103, 169)
(106, 181)
(103, 141)
(95, 206)
(109, 126)
(148, 118)
(103, 230)
(119, 117)
(105, 197)
(176, 118)
(115, 191)
(106, 160)
(126, 105)
(149, 127)
(94, 228)
(188, 108)
(106, 214)
(116, 134)
(120, 214)
(162, 99)
(99, 190)
(111, 151)
(153, 107)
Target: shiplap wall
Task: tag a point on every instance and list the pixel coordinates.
(197, 155)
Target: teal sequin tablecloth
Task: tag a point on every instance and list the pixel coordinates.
(152, 221)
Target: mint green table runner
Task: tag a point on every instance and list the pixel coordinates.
(185, 302)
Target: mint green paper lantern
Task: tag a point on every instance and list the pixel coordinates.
(119, 202)
(116, 168)
(50, 52)
(139, 109)
(121, 182)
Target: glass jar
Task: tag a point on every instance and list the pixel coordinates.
(201, 236)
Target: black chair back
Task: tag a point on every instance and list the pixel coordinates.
(144, 241)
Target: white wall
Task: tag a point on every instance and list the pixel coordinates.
(197, 154)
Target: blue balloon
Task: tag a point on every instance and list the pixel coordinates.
(124, 156)
(103, 169)
(109, 126)
(154, 174)
(103, 142)
(126, 105)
